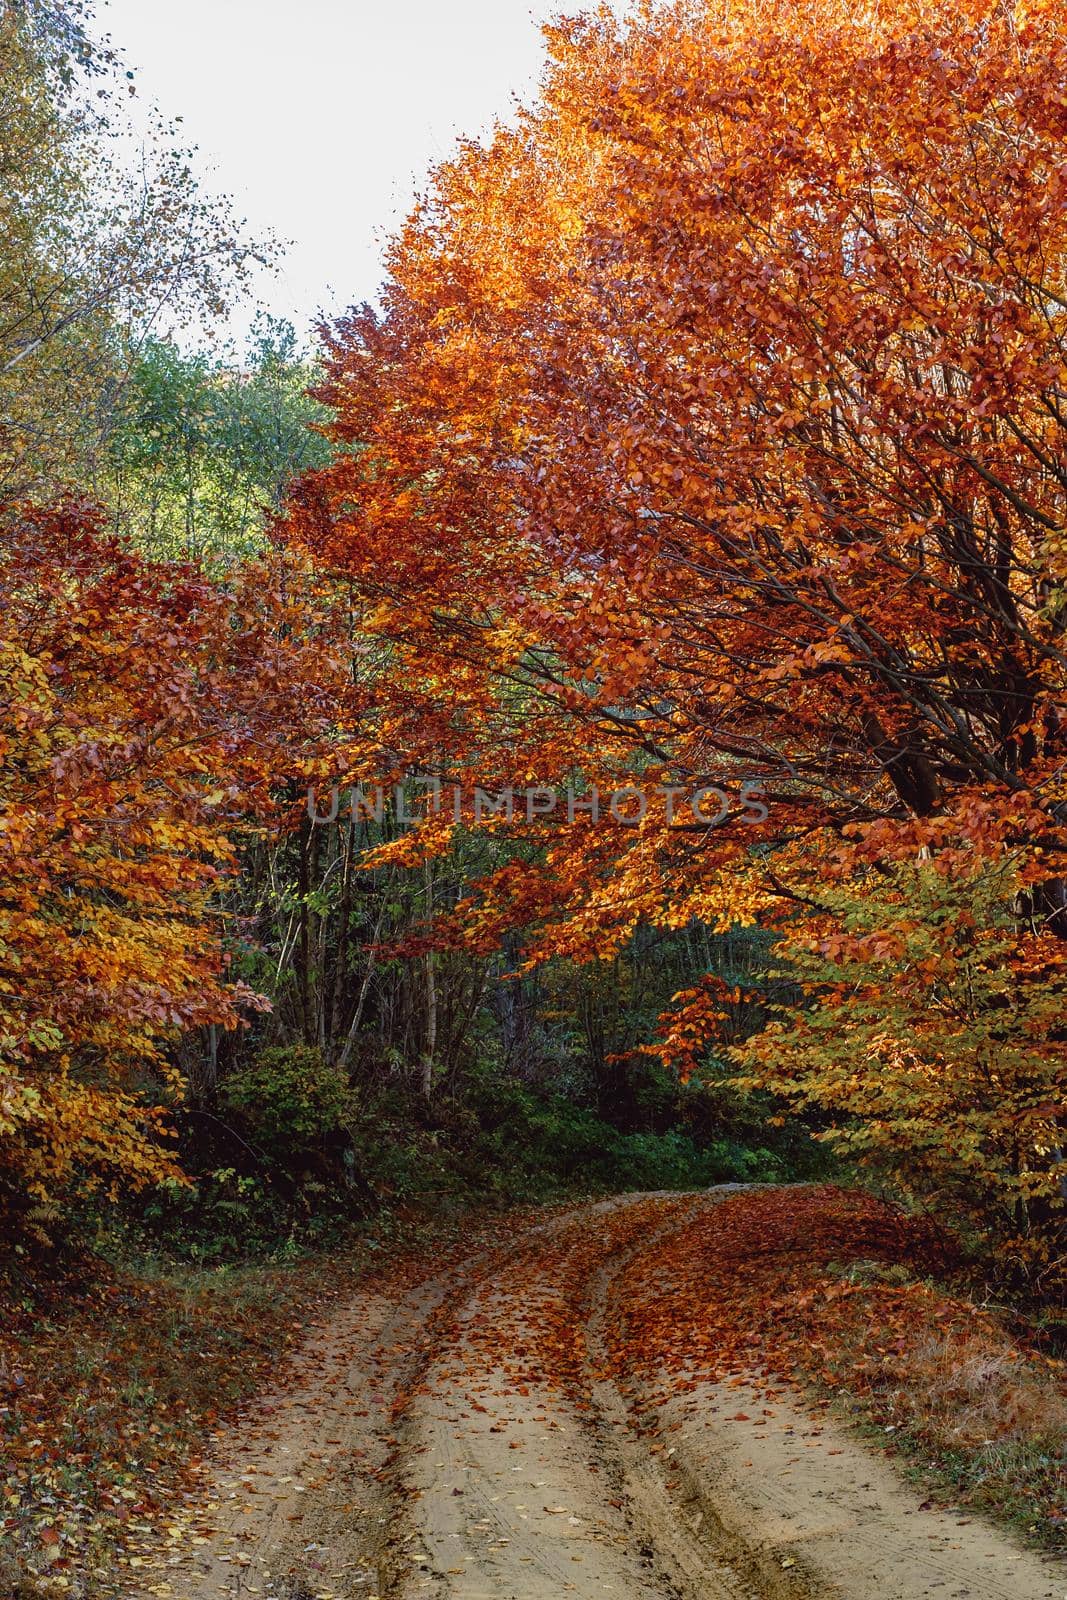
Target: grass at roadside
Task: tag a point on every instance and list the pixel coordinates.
(964, 1398)
(112, 1381)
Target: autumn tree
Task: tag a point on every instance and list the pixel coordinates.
(150, 717)
(712, 427)
(95, 247)
(931, 1017)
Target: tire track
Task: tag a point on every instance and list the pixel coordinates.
(475, 1434)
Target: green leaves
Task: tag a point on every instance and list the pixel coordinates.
(202, 450)
(932, 1036)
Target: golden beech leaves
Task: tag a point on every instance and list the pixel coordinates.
(712, 429)
(145, 712)
(933, 1039)
(755, 466)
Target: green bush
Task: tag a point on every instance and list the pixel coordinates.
(291, 1099)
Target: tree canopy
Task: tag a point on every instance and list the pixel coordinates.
(712, 427)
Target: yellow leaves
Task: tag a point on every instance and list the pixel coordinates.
(118, 803)
(20, 1103)
(932, 1030)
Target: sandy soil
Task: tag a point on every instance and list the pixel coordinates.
(460, 1437)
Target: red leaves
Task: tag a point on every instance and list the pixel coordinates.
(747, 1281)
(705, 437)
(822, 1287)
(122, 1386)
(145, 711)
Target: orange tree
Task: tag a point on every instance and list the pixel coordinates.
(145, 713)
(713, 427)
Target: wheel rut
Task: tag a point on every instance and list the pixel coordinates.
(473, 1434)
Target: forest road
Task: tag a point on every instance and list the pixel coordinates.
(470, 1435)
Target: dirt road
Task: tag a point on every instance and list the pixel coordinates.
(470, 1436)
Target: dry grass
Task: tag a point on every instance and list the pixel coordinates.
(961, 1395)
(979, 1396)
(994, 1418)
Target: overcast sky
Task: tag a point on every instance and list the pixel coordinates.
(322, 117)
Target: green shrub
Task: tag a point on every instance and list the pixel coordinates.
(291, 1098)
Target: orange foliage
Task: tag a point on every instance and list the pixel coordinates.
(822, 1287)
(145, 712)
(712, 430)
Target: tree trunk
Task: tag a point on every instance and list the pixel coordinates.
(430, 1050)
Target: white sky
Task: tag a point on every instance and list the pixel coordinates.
(322, 117)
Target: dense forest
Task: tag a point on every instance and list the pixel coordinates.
(592, 721)
(205, 977)
(597, 717)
